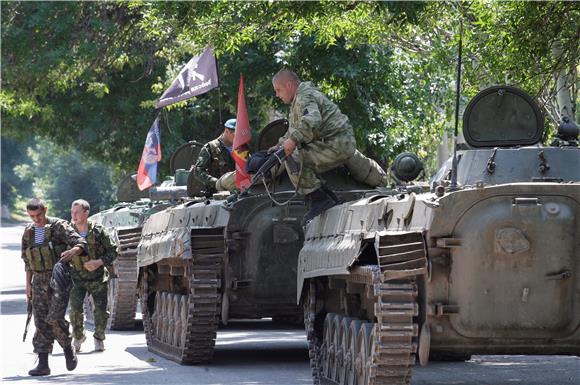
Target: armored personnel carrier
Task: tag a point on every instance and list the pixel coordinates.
(487, 262)
(211, 260)
(125, 222)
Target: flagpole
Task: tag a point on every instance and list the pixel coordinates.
(217, 67)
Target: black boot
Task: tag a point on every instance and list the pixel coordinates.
(42, 368)
(331, 194)
(319, 203)
(71, 358)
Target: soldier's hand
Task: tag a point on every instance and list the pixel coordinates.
(289, 146)
(93, 264)
(28, 293)
(67, 255)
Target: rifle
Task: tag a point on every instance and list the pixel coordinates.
(28, 317)
(274, 159)
(277, 157)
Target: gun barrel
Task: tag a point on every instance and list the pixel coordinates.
(28, 317)
(168, 193)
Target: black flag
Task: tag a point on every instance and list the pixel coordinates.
(197, 77)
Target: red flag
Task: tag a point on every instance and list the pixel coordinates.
(240, 149)
(147, 172)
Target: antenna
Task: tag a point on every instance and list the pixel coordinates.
(453, 185)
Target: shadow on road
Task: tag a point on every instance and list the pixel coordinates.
(13, 291)
(492, 370)
(11, 246)
(13, 306)
(26, 379)
(115, 376)
(239, 355)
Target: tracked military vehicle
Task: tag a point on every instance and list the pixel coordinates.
(212, 260)
(487, 262)
(125, 222)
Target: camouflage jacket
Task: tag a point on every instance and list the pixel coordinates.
(314, 117)
(213, 161)
(100, 246)
(59, 236)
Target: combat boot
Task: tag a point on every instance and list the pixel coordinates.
(331, 194)
(320, 201)
(77, 342)
(42, 368)
(71, 358)
(99, 345)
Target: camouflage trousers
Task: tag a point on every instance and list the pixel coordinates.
(98, 290)
(317, 157)
(48, 312)
(366, 170)
(226, 182)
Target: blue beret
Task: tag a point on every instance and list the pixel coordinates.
(231, 124)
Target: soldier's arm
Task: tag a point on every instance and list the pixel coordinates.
(200, 170)
(109, 247)
(25, 245)
(107, 250)
(64, 232)
(280, 141)
(310, 119)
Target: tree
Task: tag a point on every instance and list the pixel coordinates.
(524, 35)
(88, 73)
(14, 155)
(62, 179)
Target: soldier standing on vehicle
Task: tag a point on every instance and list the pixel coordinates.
(89, 275)
(45, 242)
(324, 138)
(215, 163)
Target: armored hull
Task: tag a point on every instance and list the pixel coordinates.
(124, 222)
(206, 261)
(490, 266)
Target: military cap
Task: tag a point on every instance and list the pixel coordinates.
(231, 124)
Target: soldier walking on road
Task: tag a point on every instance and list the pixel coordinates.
(89, 275)
(44, 243)
(215, 166)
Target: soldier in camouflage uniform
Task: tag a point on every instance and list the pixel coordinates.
(44, 243)
(324, 138)
(215, 159)
(89, 275)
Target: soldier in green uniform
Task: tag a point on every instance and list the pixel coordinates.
(324, 138)
(215, 160)
(45, 242)
(89, 275)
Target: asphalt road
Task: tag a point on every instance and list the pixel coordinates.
(254, 352)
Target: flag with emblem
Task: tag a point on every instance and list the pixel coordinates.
(197, 77)
(240, 148)
(147, 172)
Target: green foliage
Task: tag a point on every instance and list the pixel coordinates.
(13, 187)
(87, 74)
(62, 179)
(512, 42)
